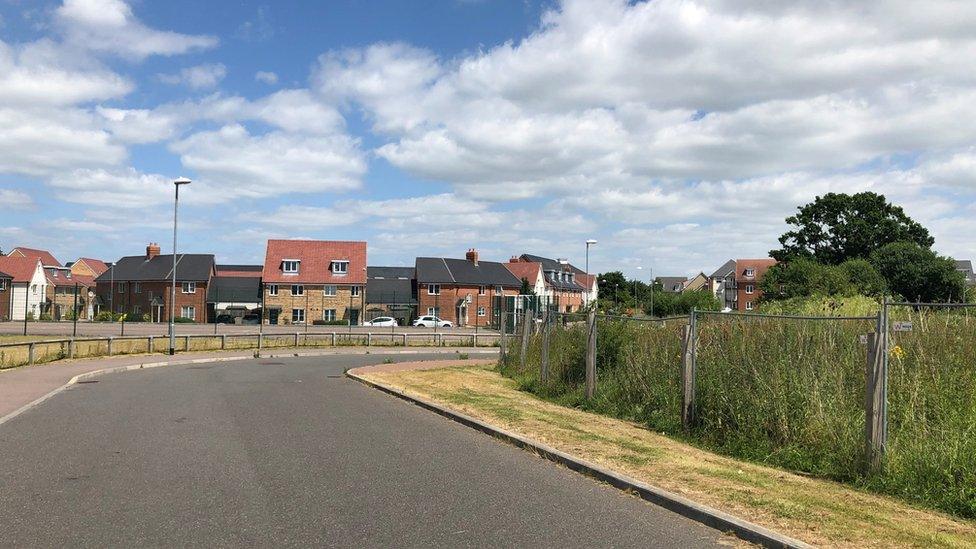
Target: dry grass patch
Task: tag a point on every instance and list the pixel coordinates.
(817, 511)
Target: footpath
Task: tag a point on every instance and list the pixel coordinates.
(27, 386)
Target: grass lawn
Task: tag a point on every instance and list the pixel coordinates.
(816, 511)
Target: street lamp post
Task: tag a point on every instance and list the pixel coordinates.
(172, 295)
(589, 242)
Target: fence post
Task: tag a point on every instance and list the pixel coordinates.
(502, 352)
(688, 350)
(369, 338)
(875, 410)
(151, 346)
(544, 363)
(223, 342)
(109, 345)
(71, 347)
(526, 333)
(404, 339)
(333, 339)
(260, 343)
(186, 344)
(296, 339)
(591, 354)
(30, 354)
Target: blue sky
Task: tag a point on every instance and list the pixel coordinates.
(678, 133)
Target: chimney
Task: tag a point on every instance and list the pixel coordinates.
(152, 250)
(472, 256)
(515, 259)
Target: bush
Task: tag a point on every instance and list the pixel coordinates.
(46, 317)
(183, 320)
(330, 323)
(104, 316)
(30, 316)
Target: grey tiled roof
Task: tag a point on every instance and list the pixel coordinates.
(189, 267)
(240, 289)
(463, 272)
(669, 282)
(725, 269)
(553, 265)
(390, 285)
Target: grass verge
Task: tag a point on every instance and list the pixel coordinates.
(817, 511)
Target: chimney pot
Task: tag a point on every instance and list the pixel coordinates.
(152, 250)
(472, 256)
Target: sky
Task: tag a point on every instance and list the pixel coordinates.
(678, 134)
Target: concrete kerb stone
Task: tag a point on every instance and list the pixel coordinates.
(203, 360)
(704, 514)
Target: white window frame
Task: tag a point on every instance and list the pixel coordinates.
(354, 291)
(750, 273)
(329, 315)
(481, 311)
(286, 263)
(188, 311)
(301, 314)
(3, 285)
(434, 312)
(433, 289)
(482, 290)
(750, 288)
(748, 305)
(299, 287)
(340, 266)
(121, 287)
(272, 289)
(330, 290)
(189, 287)
(137, 287)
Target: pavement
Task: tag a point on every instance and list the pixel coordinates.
(290, 452)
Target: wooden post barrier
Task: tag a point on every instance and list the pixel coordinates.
(71, 347)
(30, 354)
(502, 344)
(223, 342)
(544, 362)
(186, 344)
(109, 345)
(590, 354)
(296, 339)
(151, 345)
(687, 377)
(526, 334)
(875, 408)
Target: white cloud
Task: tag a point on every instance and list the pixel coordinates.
(10, 198)
(43, 141)
(197, 77)
(109, 26)
(267, 77)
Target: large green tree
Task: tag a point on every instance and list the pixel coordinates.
(917, 273)
(804, 277)
(836, 227)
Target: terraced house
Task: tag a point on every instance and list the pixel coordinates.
(141, 285)
(463, 291)
(308, 281)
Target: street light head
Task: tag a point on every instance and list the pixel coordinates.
(182, 181)
(591, 241)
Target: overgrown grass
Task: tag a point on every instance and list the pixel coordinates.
(788, 393)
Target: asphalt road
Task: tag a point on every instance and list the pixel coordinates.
(102, 329)
(289, 452)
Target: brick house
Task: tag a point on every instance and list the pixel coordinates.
(62, 286)
(463, 291)
(6, 288)
(26, 290)
(314, 280)
(87, 266)
(748, 275)
(141, 285)
(561, 280)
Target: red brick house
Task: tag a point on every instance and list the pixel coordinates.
(748, 275)
(6, 288)
(314, 280)
(141, 285)
(463, 291)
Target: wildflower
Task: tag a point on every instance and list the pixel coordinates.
(897, 352)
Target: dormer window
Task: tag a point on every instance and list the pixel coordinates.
(750, 273)
(340, 267)
(290, 266)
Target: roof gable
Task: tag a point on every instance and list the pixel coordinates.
(44, 255)
(20, 269)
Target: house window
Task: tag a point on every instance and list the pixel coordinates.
(3, 285)
(355, 291)
(298, 315)
(297, 289)
(750, 288)
(34, 289)
(498, 289)
(329, 315)
(189, 287)
(482, 290)
(151, 296)
(121, 287)
(750, 273)
(188, 311)
(433, 289)
(137, 310)
(272, 289)
(329, 290)
(434, 311)
(290, 266)
(340, 267)
(137, 287)
(481, 311)
(748, 305)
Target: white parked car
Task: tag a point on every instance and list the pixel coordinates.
(382, 321)
(432, 321)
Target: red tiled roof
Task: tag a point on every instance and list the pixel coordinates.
(760, 265)
(21, 269)
(85, 281)
(44, 255)
(316, 257)
(96, 265)
(529, 270)
(585, 280)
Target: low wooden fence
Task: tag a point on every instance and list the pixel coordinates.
(36, 352)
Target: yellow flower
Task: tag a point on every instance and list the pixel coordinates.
(897, 352)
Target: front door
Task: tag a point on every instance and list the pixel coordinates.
(273, 316)
(354, 317)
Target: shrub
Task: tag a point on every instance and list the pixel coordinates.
(330, 323)
(183, 320)
(46, 317)
(104, 316)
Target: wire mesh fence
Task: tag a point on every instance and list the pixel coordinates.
(887, 401)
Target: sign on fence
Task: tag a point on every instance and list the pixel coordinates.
(902, 326)
(864, 339)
